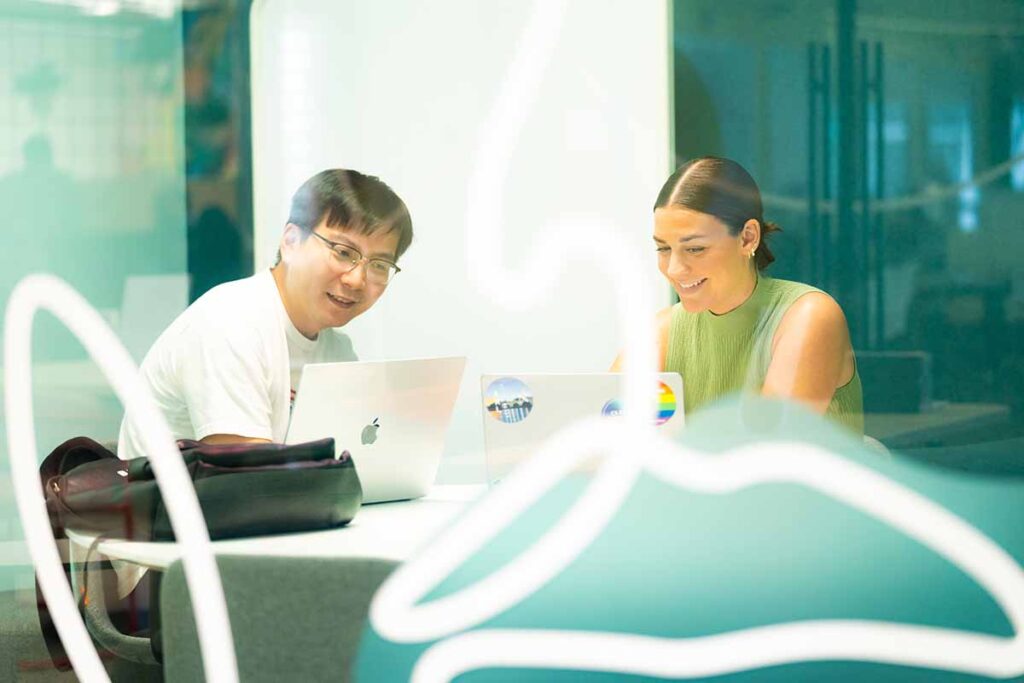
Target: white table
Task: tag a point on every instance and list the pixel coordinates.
(389, 531)
(384, 531)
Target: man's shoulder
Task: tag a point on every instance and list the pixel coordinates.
(253, 297)
(254, 288)
(241, 310)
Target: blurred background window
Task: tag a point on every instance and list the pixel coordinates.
(888, 139)
(125, 168)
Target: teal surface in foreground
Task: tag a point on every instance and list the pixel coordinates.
(678, 564)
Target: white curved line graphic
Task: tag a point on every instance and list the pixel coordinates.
(713, 655)
(498, 136)
(398, 618)
(395, 612)
(31, 294)
(631, 446)
(518, 290)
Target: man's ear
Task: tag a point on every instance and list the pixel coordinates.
(290, 238)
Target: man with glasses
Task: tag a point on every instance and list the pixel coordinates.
(227, 369)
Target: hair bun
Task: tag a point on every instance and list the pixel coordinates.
(764, 257)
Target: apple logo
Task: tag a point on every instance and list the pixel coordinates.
(369, 434)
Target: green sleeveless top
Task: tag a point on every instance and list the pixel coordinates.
(720, 354)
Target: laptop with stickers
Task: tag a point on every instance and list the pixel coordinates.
(391, 416)
(521, 411)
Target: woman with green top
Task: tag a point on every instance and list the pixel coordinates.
(735, 328)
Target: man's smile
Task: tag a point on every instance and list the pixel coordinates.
(342, 301)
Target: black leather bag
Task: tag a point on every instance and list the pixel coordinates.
(243, 489)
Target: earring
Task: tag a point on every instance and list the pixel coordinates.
(752, 252)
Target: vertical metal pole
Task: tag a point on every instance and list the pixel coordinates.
(828, 274)
(813, 236)
(241, 76)
(879, 217)
(863, 90)
(848, 264)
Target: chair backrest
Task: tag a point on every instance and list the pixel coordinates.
(292, 618)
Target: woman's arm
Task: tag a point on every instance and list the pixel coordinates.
(811, 353)
(661, 324)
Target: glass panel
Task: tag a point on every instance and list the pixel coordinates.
(92, 181)
(914, 109)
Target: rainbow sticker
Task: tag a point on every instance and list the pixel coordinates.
(508, 400)
(666, 405)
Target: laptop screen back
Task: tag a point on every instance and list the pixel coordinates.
(391, 416)
(521, 411)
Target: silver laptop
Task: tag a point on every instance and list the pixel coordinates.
(391, 416)
(521, 411)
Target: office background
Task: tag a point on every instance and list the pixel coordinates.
(150, 150)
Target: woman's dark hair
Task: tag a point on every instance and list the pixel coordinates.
(352, 200)
(723, 189)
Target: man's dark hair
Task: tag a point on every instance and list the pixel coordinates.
(351, 200)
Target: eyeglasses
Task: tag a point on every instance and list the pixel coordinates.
(346, 259)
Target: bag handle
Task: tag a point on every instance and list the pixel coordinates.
(97, 619)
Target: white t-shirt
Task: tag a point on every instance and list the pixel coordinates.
(229, 364)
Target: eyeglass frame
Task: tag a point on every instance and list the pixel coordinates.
(362, 259)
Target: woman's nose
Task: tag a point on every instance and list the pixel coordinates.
(677, 267)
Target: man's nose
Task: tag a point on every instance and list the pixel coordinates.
(355, 278)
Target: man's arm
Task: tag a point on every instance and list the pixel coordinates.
(230, 438)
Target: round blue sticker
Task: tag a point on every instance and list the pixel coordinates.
(508, 399)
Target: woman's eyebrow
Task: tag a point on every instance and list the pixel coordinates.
(689, 238)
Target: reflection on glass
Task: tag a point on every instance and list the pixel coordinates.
(889, 148)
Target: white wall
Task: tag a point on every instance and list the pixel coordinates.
(399, 89)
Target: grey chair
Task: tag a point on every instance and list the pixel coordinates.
(293, 619)
(24, 657)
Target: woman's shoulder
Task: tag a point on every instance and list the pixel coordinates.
(789, 289)
(803, 306)
(812, 311)
(663, 320)
(664, 316)
(785, 294)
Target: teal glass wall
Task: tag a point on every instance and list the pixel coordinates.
(92, 188)
(888, 140)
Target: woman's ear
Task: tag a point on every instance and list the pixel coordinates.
(750, 236)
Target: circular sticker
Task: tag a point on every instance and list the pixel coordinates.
(508, 399)
(612, 408)
(666, 405)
